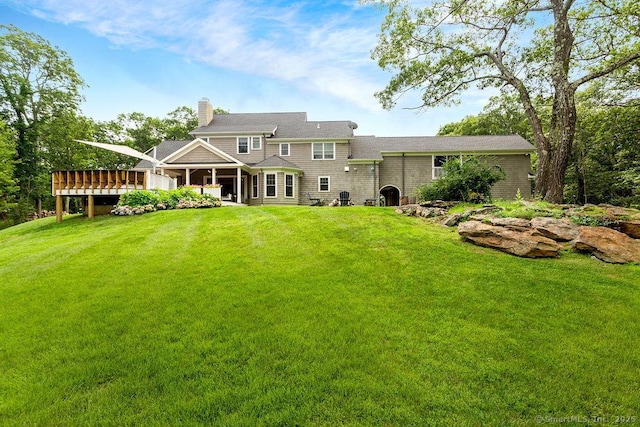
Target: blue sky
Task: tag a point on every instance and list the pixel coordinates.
(244, 55)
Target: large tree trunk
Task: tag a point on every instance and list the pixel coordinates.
(563, 115)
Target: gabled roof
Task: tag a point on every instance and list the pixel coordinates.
(373, 148)
(279, 125)
(163, 150)
(275, 162)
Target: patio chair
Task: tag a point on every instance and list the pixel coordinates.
(314, 201)
(344, 198)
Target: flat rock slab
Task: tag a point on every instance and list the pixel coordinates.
(608, 245)
(560, 230)
(631, 228)
(528, 243)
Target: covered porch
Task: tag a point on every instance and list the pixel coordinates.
(227, 183)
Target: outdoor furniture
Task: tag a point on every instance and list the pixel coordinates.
(314, 201)
(370, 202)
(344, 198)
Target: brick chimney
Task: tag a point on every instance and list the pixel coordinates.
(205, 112)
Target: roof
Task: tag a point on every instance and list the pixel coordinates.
(275, 162)
(372, 148)
(280, 125)
(164, 149)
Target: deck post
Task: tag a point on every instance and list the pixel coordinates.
(239, 185)
(91, 206)
(58, 208)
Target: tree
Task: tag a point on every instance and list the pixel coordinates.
(503, 115)
(538, 48)
(8, 185)
(605, 166)
(37, 83)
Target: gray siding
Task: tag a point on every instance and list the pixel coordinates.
(418, 171)
(517, 168)
(200, 155)
(230, 146)
(301, 156)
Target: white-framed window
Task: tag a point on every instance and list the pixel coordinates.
(270, 185)
(256, 143)
(243, 145)
(438, 162)
(324, 184)
(284, 149)
(254, 187)
(324, 150)
(288, 185)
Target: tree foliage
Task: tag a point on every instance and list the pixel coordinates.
(37, 83)
(605, 166)
(539, 48)
(467, 180)
(8, 187)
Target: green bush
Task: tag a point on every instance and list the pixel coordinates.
(142, 201)
(139, 198)
(468, 180)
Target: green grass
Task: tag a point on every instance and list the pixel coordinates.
(304, 316)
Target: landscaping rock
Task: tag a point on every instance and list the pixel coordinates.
(521, 243)
(518, 224)
(560, 230)
(438, 204)
(430, 212)
(608, 245)
(630, 228)
(452, 220)
(408, 210)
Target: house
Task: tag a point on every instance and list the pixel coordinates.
(285, 159)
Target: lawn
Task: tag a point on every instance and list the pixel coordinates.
(305, 316)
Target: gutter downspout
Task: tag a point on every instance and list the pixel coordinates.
(375, 187)
(403, 170)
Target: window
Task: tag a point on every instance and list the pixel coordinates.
(438, 162)
(243, 145)
(324, 183)
(254, 186)
(288, 185)
(323, 150)
(270, 185)
(256, 143)
(284, 149)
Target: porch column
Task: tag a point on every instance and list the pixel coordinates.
(58, 208)
(187, 178)
(239, 186)
(91, 206)
(213, 176)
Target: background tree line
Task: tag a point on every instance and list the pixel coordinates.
(604, 166)
(40, 118)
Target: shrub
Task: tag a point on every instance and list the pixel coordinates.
(139, 198)
(141, 201)
(466, 181)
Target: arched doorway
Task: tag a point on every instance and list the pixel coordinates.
(391, 195)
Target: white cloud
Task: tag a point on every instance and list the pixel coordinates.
(321, 48)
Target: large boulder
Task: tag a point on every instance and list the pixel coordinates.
(608, 245)
(631, 228)
(526, 243)
(560, 230)
(517, 224)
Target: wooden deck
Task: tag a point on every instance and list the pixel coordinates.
(96, 182)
